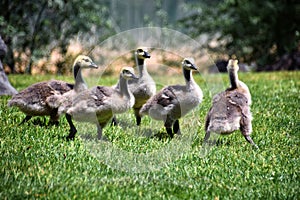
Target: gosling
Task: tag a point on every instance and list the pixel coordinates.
(61, 102)
(175, 101)
(142, 88)
(98, 104)
(230, 109)
(33, 100)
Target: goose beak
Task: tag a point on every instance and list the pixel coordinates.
(134, 76)
(194, 67)
(146, 55)
(93, 65)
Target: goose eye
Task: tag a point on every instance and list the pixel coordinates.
(140, 50)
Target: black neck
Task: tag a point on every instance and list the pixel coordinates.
(233, 79)
(187, 74)
(140, 61)
(79, 82)
(76, 70)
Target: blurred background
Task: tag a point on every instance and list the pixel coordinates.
(44, 36)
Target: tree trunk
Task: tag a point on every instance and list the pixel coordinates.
(9, 58)
(5, 86)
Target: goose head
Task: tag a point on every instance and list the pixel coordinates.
(84, 62)
(128, 73)
(232, 65)
(142, 54)
(189, 64)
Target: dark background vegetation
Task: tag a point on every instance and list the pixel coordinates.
(264, 33)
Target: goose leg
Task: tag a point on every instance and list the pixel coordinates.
(99, 131)
(207, 144)
(176, 127)
(138, 120)
(114, 121)
(168, 126)
(137, 116)
(73, 130)
(206, 137)
(170, 131)
(246, 129)
(249, 139)
(209, 141)
(51, 123)
(26, 119)
(54, 118)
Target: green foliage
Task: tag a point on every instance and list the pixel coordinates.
(257, 31)
(37, 27)
(36, 162)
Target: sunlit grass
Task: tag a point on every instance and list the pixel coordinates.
(37, 162)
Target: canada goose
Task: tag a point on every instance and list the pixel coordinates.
(230, 109)
(142, 88)
(175, 101)
(99, 104)
(32, 100)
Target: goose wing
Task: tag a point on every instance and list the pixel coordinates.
(61, 86)
(165, 100)
(94, 97)
(100, 95)
(167, 97)
(241, 101)
(62, 95)
(89, 102)
(230, 99)
(37, 93)
(237, 98)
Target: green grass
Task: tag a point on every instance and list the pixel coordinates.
(36, 161)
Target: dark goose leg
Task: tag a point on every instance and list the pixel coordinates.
(176, 127)
(26, 119)
(73, 130)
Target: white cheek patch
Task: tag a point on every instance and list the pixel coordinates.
(164, 96)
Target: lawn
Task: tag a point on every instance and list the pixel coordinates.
(140, 163)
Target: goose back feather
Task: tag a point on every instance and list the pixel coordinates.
(32, 100)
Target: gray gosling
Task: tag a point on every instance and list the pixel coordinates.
(99, 104)
(62, 102)
(230, 109)
(175, 101)
(142, 88)
(32, 100)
